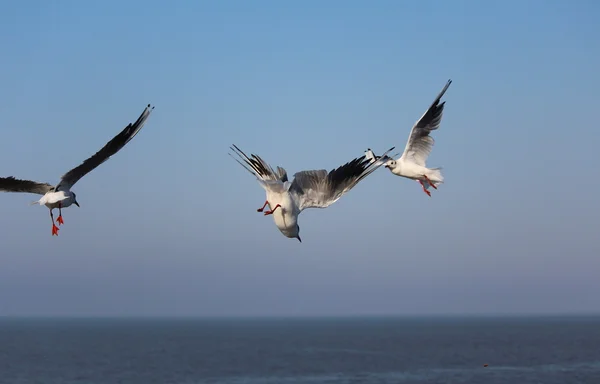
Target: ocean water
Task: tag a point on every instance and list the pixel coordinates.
(552, 350)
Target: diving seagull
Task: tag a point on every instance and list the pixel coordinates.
(309, 189)
(412, 162)
(61, 196)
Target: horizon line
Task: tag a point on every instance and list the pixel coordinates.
(300, 317)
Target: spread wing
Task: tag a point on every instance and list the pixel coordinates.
(372, 157)
(10, 184)
(419, 143)
(113, 146)
(319, 189)
(259, 168)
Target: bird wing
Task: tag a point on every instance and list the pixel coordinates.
(10, 184)
(372, 157)
(260, 169)
(113, 146)
(320, 189)
(419, 143)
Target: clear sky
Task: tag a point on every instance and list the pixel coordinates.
(168, 226)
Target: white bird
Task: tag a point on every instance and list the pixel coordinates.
(309, 189)
(412, 162)
(61, 196)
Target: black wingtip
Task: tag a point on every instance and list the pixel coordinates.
(444, 89)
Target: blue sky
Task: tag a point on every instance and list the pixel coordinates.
(169, 226)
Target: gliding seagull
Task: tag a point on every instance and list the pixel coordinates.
(309, 189)
(412, 162)
(61, 196)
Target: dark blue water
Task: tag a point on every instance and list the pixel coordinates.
(393, 350)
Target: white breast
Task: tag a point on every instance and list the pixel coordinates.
(408, 169)
(285, 218)
(51, 199)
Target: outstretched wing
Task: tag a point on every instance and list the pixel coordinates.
(259, 168)
(319, 189)
(10, 184)
(372, 157)
(115, 145)
(419, 143)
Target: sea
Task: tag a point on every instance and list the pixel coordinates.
(385, 350)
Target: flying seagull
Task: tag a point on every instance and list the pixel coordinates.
(61, 196)
(309, 189)
(412, 162)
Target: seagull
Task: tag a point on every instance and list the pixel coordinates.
(412, 162)
(61, 196)
(309, 189)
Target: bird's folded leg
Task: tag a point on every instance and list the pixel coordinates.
(429, 181)
(425, 189)
(273, 210)
(263, 207)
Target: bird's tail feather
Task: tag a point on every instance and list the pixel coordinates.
(435, 175)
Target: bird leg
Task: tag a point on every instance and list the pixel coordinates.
(59, 219)
(273, 210)
(425, 189)
(54, 227)
(429, 181)
(263, 207)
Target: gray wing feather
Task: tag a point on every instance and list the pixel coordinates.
(372, 157)
(320, 189)
(258, 167)
(419, 144)
(10, 184)
(113, 146)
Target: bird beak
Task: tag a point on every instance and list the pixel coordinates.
(299, 239)
(386, 166)
(76, 203)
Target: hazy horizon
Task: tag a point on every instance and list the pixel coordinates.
(456, 316)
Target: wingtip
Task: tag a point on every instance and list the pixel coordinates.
(447, 85)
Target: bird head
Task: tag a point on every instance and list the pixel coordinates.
(292, 232)
(391, 163)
